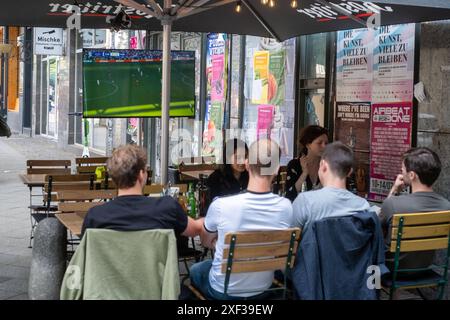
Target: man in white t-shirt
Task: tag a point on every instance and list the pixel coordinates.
(255, 209)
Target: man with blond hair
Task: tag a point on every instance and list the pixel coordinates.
(257, 208)
(131, 210)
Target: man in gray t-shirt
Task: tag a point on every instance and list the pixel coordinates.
(333, 200)
(420, 169)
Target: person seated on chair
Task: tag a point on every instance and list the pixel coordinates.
(255, 209)
(231, 177)
(333, 200)
(302, 171)
(420, 169)
(131, 210)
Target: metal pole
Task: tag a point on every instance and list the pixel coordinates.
(167, 29)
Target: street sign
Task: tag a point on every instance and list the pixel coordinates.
(48, 41)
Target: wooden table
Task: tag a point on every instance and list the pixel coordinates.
(189, 175)
(72, 221)
(33, 180)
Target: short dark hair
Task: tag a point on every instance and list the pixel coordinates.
(264, 157)
(339, 157)
(424, 162)
(309, 134)
(125, 164)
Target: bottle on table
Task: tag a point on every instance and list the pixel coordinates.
(192, 203)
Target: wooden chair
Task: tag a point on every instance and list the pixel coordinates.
(415, 232)
(48, 167)
(53, 184)
(89, 165)
(256, 251)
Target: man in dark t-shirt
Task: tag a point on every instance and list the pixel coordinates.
(131, 211)
(420, 169)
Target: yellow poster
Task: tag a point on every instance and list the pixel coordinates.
(260, 85)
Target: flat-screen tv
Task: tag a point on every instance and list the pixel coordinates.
(121, 83)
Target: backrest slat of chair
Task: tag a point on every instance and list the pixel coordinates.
(48, 163)
(93, 160)
(65, 207)
(87, 169)
(262, 236)
(86, 195)
(152, 189)
(438, 230)
(69, 177)
(260, 251)
(82, 185)
(257, 265)
(59, 171)
(421, 245)
(250, 247)
(421, 231)
(423, 218)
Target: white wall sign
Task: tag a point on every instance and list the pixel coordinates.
(48, 41)
(88, 37)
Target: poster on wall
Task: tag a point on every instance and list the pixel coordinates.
(354, 65)
(352, 127)
(393, 69)
(276, 86)
(217, 72)
(269, 81)
(390, 138)
(265, 118)
(260, 83)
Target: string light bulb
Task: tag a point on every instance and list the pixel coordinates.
(294, 4)
(271, 3)
(264, 2)
(238, 7)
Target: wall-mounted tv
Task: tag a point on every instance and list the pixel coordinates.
(121, 83)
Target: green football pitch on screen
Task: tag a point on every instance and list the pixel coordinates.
(133, 89)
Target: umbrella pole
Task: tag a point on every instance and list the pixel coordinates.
(166, 22)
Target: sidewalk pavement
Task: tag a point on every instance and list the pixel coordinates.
(15, 256)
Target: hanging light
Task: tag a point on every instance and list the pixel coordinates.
(238, 7)
(264, 2)
(271, 3)
(294, 4)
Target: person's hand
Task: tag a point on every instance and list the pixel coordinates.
(399, 184)
(304, 163)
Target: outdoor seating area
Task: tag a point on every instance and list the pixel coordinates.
(254, 152)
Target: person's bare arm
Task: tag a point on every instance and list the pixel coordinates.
(194, 227)
(208, 238)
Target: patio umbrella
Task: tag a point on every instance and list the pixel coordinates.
(281, 21)
(4, 128)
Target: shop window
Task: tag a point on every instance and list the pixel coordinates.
(312, 79)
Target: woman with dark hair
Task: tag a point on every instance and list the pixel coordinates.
(303, 171)
(231, 177)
